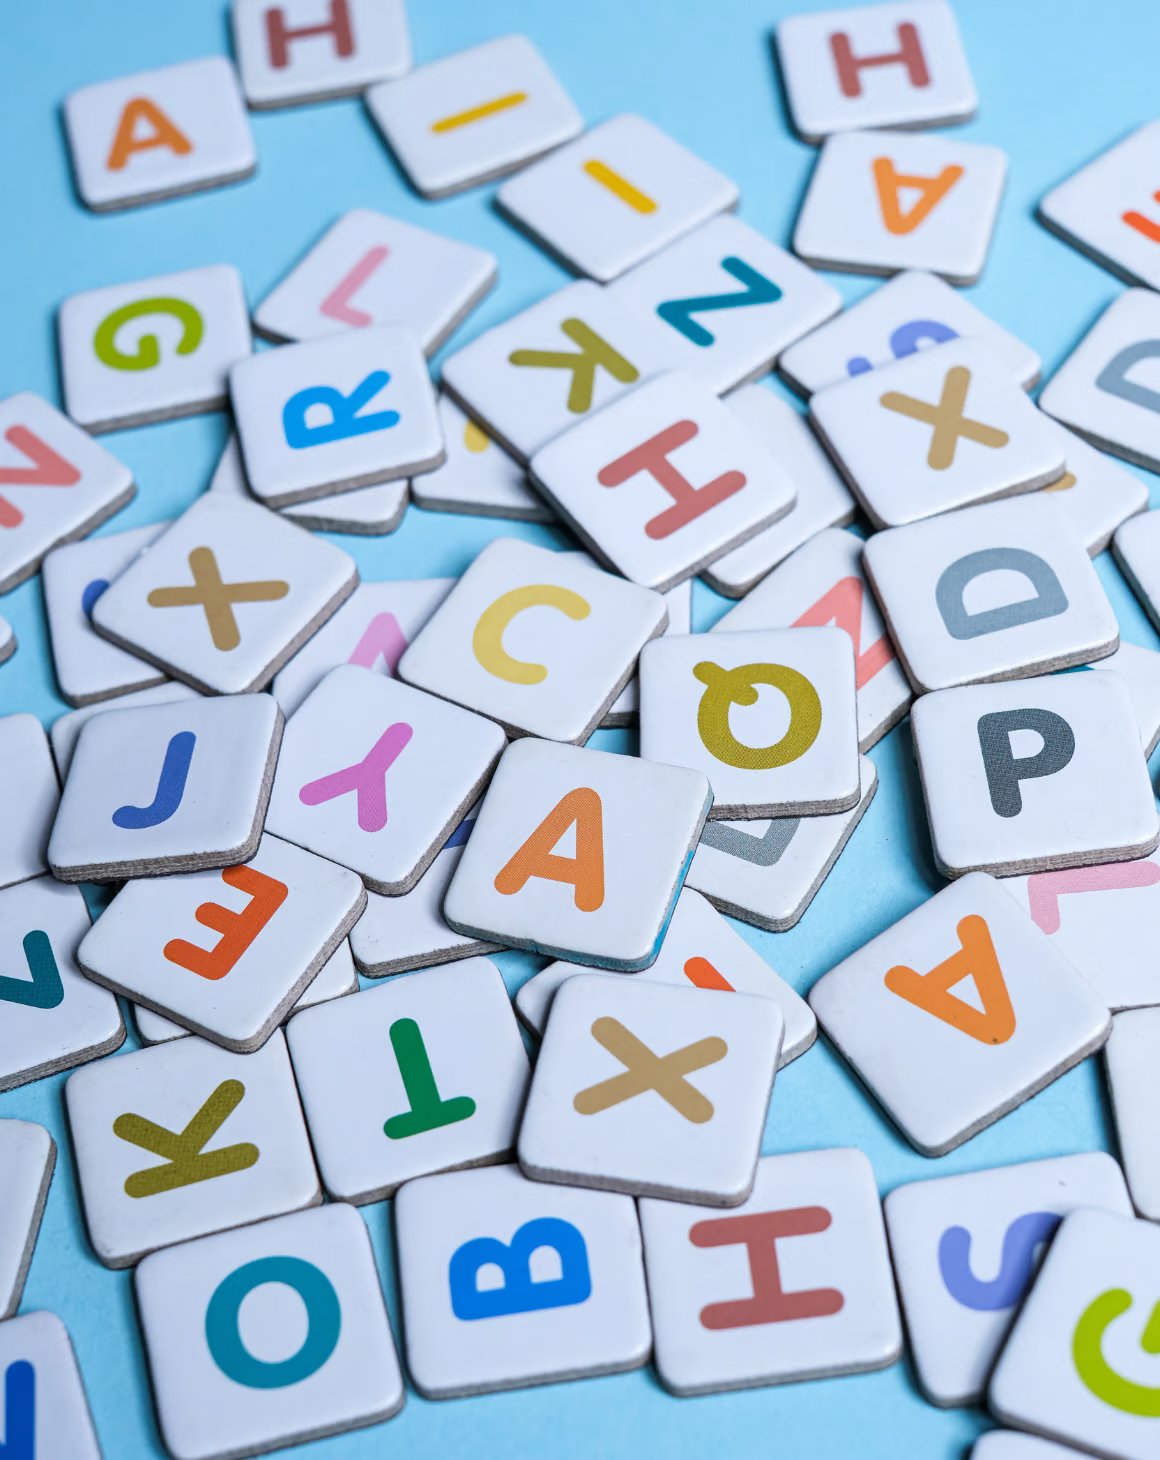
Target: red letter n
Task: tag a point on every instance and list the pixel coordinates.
(909, 54)
(689, 502)
(769, 1303)
(279, 34)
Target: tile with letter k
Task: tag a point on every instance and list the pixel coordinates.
(652, 1089)
(31, 798)
(43, 1408)
(186, 1139)
(507, 1282)
(299, 52)
(226, 595)
(27, 1161)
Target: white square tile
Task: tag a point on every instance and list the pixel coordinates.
(152, 350)
(65, 729)
(270, 1335)
(879, 202)
(578, 854)
(795, 1284)
(944, 1066)
(1095, 496)
(307, 51)
(7, 641)
(1134, 1084)
(478, 477)
(1135, 548)
(160, 133)
(1139, 671)
(626, 706)
(1009, 1445)
(474, 115)
(45, 1404)
(31, 797)
(584, 1313)
(27, 1161)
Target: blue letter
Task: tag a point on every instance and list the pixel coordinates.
(520, 1292)
(345, 420)
(19, 1417)
(170, 787)
(1016, 1264)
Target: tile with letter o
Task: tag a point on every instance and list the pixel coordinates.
(479, 477)
(301, 51)
(31, 798)
(1134, 1084)
(45, 1409)
(27, 1161)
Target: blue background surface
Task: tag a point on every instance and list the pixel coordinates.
(1056, 83)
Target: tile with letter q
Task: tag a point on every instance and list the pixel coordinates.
(479, 477)
(1095, 495)
(299, 51)
(45, 1408)
(65, 730)
(31, 798)
(27, 1161)
(1133, 1083)
(1134, 546)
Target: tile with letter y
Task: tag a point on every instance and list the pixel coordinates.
(43, 1408)
(298, 51)
(31, 798)
(27, 1161)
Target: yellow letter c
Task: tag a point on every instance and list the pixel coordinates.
(487, 641)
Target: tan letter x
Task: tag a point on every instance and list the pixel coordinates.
(947, 418)
(217, 597)
(647, 1071)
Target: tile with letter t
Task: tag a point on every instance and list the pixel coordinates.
(27, 1161)
(65, 730)
(1134, 1084)
(31, 798)
(183, 1140)
(793, 1285)
(1135, 548)
(966, 1250)
(479, 477)
(272, 925)
(273, 1334)
(507, 1282)
(1095, 495)
(44, 1409)
(1034, 775)
(958, 1013)
(315, 50)
(652, 1089)
(578, 854)
(423, 1074)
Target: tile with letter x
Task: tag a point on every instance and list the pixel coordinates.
(183, 1140)
(652, 1089)
(299, 51)
(1134, 1083)
(268, 1335)
(272, 925)
(966, 1250)
(508, 1282)
(578, 854)
(31, 797)
(423, 1074)
(479, 477)
(226, 595)
(958, 1013)
(44, 1408)
(793, 1285)
(27, 1161)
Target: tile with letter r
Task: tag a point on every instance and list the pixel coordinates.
(507, 1282)
(43, 1408)
(299, 51)
(31, 798)
(479, 477)
(186, 1139)
(1134, 546)
(1133, 1083)
(27, 1161)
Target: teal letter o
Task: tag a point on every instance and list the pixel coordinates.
(323, 1311)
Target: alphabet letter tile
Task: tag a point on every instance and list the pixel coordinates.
(27, 1161)
(1134, 1086)
(1095, 495)
(65, 729)
(313, 50)
(479, 477)
(44, 1407)
(31, 796)
(1135, 546)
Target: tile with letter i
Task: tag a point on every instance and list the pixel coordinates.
(43, 1408)
(1095, 495)
(793, 1285)
(31, 797)
(479, 477)
(424, 1074)
(958, 1013)
(273, 1334)
(1130, 1059)
(508, 1282)
(474, 115)
(967, 1248)
(27, 1161)
(294, 51)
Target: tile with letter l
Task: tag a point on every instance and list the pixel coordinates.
(303, 51)
(44, 1408)
(1134, 1085)
(31, 798)
(479, 477)
(27, 1161)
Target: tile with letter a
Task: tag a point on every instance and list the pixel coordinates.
(1080, 1365)
(183, 1140)
(880, 202)
(1095, 496)
(1135, 547)
(152, 350)
(158, 134)
(313, 50)
(65, 729)
(43, 1409)
(52, 1017)
(1134, 1084)
(889, 65)
(1011, 1445)
(474, 115)
(31, 797)
(793, 1285)
(270, 1335)
(271, 923)
(958, 1013)
(999, 591)
(651, 1089)
(27, 1161)
(966, 1250)
(1034, 775)
(578, 854)
(420, 1075)
(479, 477)
(56, 485)
(507, 1282)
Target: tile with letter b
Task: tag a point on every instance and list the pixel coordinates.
(65, 730)
(1134, 1085)
(1095, 495)
(273, 1334)
(958, 1013)
(314, 50)
(479, 477)
(27, 1161)
(795, 1284)
(508, 1282)
(44, 1408)
(1135, 548)
(31, 798)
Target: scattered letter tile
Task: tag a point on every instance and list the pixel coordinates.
(31, 797)
(478, 477)
(65, 729)
(1135, 548)
(1095, 495)
(313, 50)
(45, 1411)
(1134, 1083)
(27, 1160)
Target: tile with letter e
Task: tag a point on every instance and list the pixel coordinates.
(315, 50)
(880, 202)
(65, 730)
(272, 924)
(479, 477)
(45, 1410)
(1134, 1085)
(27, 1161)
(183, 1140)
(423, 1074)
(1034, 775)
(273, 1334)
(958, 1013)
(578, 854)
(967, 1248)
(1135, 549)
(1095, 496)
(795, 1284)
(651, 1089)
(507, 1282)
(474, 115)
(31, 798)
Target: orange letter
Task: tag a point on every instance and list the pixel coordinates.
(238, 929)
(931, 191)
(164, 133)
(580, 808)
(931, 992)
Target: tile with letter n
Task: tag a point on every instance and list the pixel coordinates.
(183, 1140)
(31, 798)
(43, 1408)
(427, 1073)
(507, 1282)
(27, 1161)
(298, 51)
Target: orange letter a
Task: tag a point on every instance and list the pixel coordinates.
(580, 808)
(931, 191)
(995, 1022)
(164, 133)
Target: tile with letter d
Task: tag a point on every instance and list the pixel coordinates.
(578, 854)
(303, 50)
(65, 729)
(1095, 495)
(27, 1161)
(479, 477)
(31, 798)
(507, 1282)
(967, 1248)
(45, 1411)
(1034, 775)
(652, 1089)
(793, 1285)
(1135, 549)
(270, 1335)
(1134, 1085)
(183, 1140)
(944, 1057)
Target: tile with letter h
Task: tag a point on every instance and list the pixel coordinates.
(479, 477)
(1134, 1085)
(43, 1408)
(31, 798)
(313, 50)
(27, 1161)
